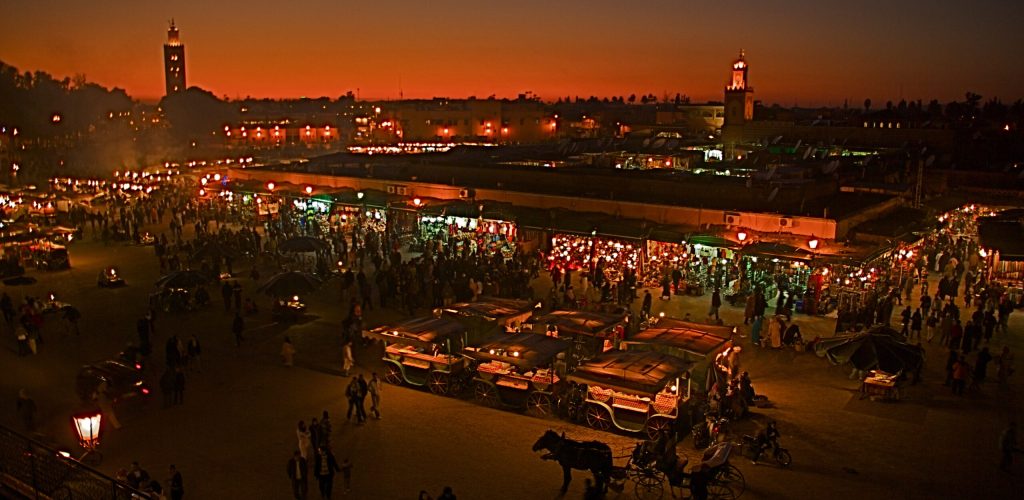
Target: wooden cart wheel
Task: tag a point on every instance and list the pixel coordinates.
(598, 417)
(438, 383)
(540, 404)
(648, 485)
(392, 374)
(720, 491)
(485, 393)
(655, 426)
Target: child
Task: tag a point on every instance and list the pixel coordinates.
(346, 474)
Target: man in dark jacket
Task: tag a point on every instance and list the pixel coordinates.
(297, 473)
(324, 468)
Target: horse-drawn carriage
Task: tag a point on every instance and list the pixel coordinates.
(423, 352)
(649, 465)
(488, 316)
(632, 391)
(694, 342)
(591, 332)
(517, 370)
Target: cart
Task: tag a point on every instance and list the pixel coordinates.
(423, 352)
(517, 370)
(694, 342)
(632, 391)
(488, 316)
(591, 332)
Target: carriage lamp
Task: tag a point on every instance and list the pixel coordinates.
(87, 427)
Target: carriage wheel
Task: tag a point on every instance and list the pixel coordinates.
(392, 374)
(732, 478)
(485, 394)
(719, 491)
(598, 417)
(438, 383)
(656, 425)
(648, 485)
(540, 404)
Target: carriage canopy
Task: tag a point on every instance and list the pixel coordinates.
(421, 332)
(643, 372)
(524, 350)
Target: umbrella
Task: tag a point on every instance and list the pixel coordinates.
(213, 249)
(182, 279)
(303, 244)
(874, 349)
(290, 283)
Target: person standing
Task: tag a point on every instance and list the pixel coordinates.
(325, 466)
(226, 292)
(375, 387)
(1005, 363)
(305, 440)
(347, 360)
(716, 302)
(237, 327)
(960, 371)
(298, 467)
(288, 352)
(981, 368)
(175, 485)
(325, 430)
(352, 395)
(346, 474)
(362, 390)
(915, 325)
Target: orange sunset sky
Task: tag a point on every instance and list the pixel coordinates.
(803, 52)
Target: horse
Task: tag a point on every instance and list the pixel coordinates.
(594, 456)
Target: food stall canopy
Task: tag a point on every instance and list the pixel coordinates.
(777, 250)
(534, 350)
(710, 240)
(669, 234)
(372, 198)
(420, 332)
(624, 229)
(694, 338)
(1005, 236)
(639, 371)
(493, 309)
(493, 210)
(578, 322)
(579, 223)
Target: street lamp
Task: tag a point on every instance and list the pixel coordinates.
(417, 201)
(270, 186)
(309, 189)
(741, 236)
(87, 427)
(360, 195)
(813, 243)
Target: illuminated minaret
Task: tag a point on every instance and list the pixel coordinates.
(174, 61)
(739, 95)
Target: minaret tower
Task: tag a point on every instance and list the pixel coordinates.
(174, 61)
(739, 95)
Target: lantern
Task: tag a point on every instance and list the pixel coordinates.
(309, 189)
(270, 186)
(417, 201)
(87, 428)
(813, 244)
(741, 236)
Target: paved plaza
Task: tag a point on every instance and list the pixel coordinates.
(236, 429)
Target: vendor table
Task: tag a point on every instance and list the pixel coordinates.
(883, 388)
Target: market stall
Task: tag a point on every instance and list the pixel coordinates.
(470, 229)
(632, 391)
(517, 370)
(423, 352)
(776, 267)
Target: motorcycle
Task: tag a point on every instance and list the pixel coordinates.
(711, 432)
(781, 455)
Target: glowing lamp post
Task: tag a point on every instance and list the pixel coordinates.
(87, 428)
(741, 236)
(270, 186)
(309, 189)
(813, 244)
(417, 201)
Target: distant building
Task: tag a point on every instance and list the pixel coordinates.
(462, 120)
(174, 62)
